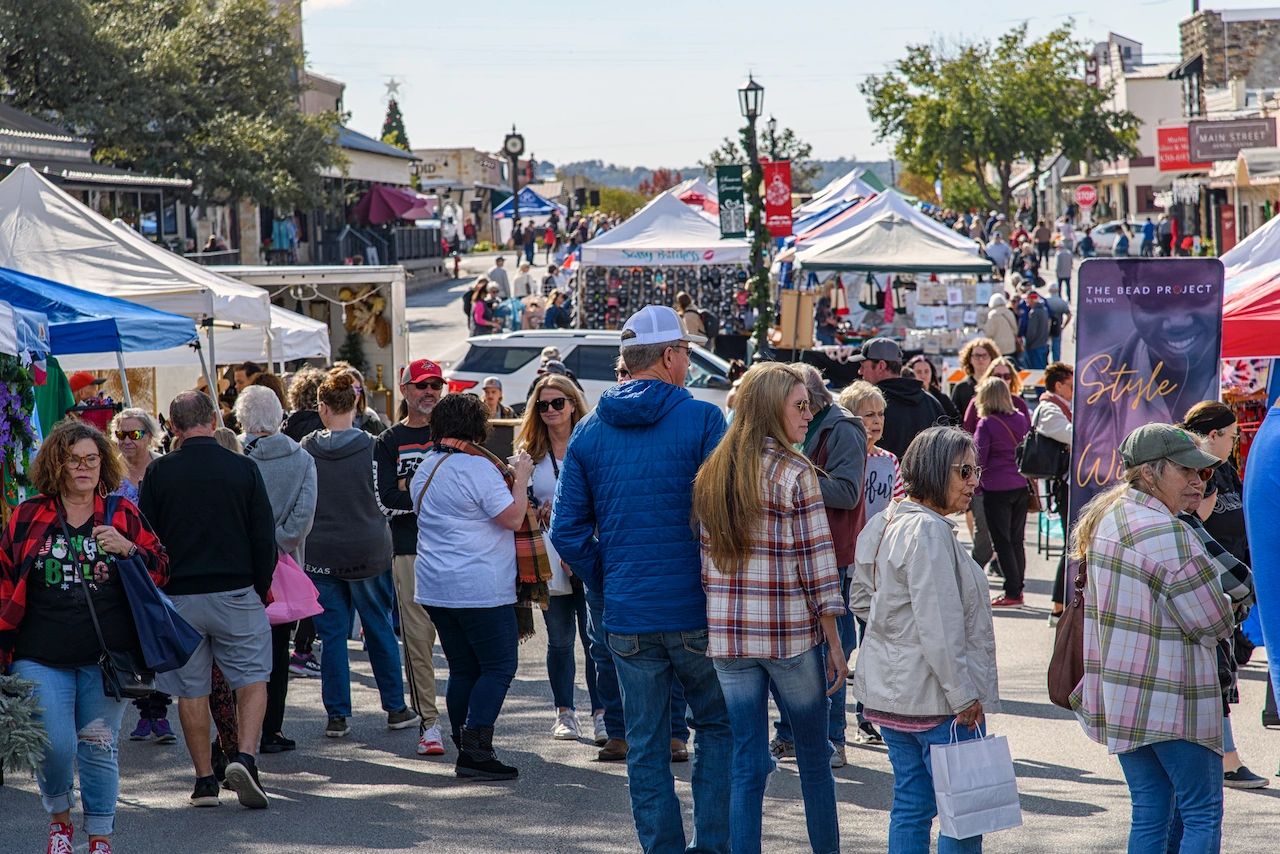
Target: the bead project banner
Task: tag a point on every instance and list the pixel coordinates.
(1148, 341)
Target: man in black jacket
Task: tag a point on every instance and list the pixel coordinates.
(909, 408)
(210, 508)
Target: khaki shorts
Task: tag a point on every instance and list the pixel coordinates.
(237, 638)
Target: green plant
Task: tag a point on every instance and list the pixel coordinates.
(485, 246)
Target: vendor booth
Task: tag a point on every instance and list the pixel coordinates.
(533, 208)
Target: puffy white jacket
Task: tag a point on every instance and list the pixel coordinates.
(930, 646)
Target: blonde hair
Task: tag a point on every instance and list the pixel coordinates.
(1015, 384)
(534, 438)
(1139, 477)
(992, 396)
(857, 393)
(727, 497)
(227, 438)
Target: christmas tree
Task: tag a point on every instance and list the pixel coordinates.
(352, 352)
(393, 132)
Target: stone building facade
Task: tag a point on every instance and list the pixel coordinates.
(1233, 44)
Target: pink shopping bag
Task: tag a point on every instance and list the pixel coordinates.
(293, 596)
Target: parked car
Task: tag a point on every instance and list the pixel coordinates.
(513, 357)
(1104, 237)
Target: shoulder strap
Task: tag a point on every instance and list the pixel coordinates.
(417, 505)
(1008, 429)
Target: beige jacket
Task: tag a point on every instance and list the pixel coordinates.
(1002, 328)
(930, 646)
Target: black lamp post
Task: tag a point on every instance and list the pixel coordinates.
(513, 145)
(750, 101)
(772, 125)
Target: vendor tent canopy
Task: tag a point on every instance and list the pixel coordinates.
(83, 322)
(697, 193)
(531, 204)
(23, 331)
(1251, 320)
(850, 186)
(888, 202)
(665, 232)
(891, 243)
(1262, 246)
(383, 204)
(46, 232)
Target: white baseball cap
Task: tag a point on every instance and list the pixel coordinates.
(656, 324)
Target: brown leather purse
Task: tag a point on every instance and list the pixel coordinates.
(1066, 666)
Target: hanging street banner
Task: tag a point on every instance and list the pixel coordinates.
(733, 206)
(777, 197)
(1148, 341)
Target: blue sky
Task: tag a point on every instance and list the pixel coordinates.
(654, 83)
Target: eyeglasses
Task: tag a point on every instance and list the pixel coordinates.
(556, 403)
(433, 384)
(1005, 377)
(135, 435)
(92, 461)
(802, 405)
(968, 472)
(678, 347)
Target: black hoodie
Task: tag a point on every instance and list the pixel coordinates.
(349, 538)
(908, 411)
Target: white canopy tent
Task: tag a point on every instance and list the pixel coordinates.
(665, 232)
(1262, 246)
(847, 187)
(888, 203)
(891, 243)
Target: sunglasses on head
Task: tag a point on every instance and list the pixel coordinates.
(435, 384)
(135, 435)
(556, 403)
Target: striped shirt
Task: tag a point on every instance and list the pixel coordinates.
(770, 606)
(1154, 609)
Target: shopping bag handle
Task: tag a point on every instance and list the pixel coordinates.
(955, 732)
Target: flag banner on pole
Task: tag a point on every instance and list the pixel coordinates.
(777, 197)
(733, 208)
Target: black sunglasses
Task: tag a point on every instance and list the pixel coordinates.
(556, 403)
(433, 384)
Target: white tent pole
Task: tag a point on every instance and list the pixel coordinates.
(124, 379)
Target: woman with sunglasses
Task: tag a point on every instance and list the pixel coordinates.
(136, 433)
(1154, 608)
(926, 667)
(1002, 369)
(1004, 494)
(56, 552)
(773, 598)
(554, 408)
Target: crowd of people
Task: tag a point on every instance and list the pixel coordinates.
(826, 521)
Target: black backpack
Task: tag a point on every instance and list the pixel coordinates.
(710, 322)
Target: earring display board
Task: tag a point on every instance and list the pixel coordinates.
(607, 296)
(796, 320)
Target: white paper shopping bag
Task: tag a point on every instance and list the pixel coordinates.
(974, 786)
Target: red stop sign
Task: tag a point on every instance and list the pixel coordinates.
(1086, 195)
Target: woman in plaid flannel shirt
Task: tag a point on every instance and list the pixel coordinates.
(1154, 611)
(773, 596)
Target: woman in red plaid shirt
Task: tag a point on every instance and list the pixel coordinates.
(57, 550)
(773, 596)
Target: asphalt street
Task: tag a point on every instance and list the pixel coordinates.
(368, 792)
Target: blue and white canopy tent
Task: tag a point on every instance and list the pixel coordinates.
(531, 205)
(23, 332)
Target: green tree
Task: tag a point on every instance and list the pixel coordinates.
(616, 200)
(981, 110)
(804, 170)
(393, 132)
(201, 89)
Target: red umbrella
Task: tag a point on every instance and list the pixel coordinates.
(383, 204)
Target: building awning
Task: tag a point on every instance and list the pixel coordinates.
(88, 172)
(1189, 67)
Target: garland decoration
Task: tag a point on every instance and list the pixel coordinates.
(17, 439)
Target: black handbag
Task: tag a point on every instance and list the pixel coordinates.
(1038, 456)
(122, 677)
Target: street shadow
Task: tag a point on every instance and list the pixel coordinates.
(1025, 709)
(1031, 769)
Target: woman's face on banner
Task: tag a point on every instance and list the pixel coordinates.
(1176, 328)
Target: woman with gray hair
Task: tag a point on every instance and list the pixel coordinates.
(927, 666)
(836, 443)
(290, 475)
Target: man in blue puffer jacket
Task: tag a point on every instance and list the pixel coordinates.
(622, 523)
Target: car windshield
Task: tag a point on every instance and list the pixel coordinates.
(496, 359)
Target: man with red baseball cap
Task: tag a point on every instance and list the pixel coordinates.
(396, 455)
(84, 385)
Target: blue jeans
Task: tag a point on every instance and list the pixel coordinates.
(563, 615)
(83, 725)
(800, 685)
(647, 665)
(1171, 773)
(914, 806)
(1055, 348)
(480, 646)
(837, 702)
(1036, 358)
(372, 599)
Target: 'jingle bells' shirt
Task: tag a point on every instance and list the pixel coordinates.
(57, 630)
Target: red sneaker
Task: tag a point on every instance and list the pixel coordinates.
(60, 839)
(1006, 602)
(100, 846)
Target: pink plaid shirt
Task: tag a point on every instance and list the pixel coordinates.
(770, 606)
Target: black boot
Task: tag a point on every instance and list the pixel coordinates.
(476, 758)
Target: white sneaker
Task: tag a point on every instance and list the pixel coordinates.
(430, 743)
(601, 734)
(566, 728)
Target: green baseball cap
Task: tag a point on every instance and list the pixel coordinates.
(1152, 442)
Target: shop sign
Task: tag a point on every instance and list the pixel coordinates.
(1173, 150)
(1223, 140)
(733, 208)
(777, 197)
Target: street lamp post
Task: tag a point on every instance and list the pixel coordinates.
(772, 124)
(750, 101)
(513, 145)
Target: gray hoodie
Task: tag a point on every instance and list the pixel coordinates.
(350, 539)
(290, 476)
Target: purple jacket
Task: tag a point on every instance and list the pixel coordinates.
(997, 436)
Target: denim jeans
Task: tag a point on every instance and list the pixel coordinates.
(914, 806)
(480, 646)
(371, 598)
(83, 725)
(1171, 773)
(837, 703)
(799, 684)
(647, 665)
(1036, 358)
(565, 614)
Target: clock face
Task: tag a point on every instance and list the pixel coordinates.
(514, 144)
